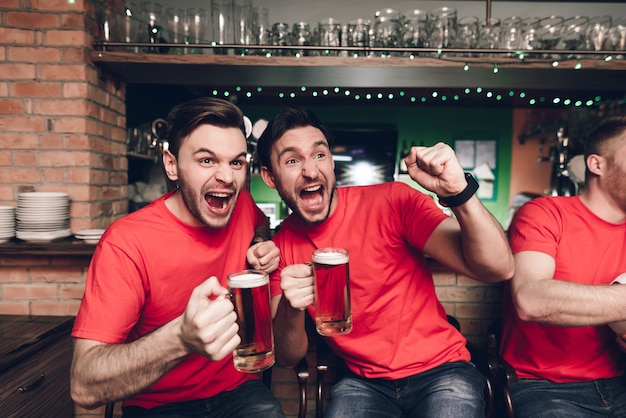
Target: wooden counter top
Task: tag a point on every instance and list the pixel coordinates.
(60, 247)
(21, 335)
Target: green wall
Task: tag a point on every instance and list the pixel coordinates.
(417, 125)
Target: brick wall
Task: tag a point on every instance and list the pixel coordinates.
(62, 120)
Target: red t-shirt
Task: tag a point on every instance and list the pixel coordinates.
(586, 249)
(399, 327)
(141, 276)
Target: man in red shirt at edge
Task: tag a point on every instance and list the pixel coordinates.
(152, 330)
(568, 250)
(405, 359)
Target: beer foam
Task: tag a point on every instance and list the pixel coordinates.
(333, 259)
(247, 280)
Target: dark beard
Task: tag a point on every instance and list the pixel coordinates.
(294, 208)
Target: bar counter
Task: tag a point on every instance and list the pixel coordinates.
(69, 246)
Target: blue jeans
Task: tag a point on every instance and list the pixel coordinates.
(252, 399)
(541, 398)
(452, 390)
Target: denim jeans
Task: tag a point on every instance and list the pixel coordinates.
(452, 390)
(541, 398)
(252, 399)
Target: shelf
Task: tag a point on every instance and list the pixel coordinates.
(361, 72)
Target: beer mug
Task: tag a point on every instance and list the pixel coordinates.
(250, 293)
(333, 314)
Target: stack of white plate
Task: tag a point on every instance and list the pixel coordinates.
(89, 236)
(7, 223)
(42, 217)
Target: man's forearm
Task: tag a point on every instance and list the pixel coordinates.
(290, 335)
(106, 373)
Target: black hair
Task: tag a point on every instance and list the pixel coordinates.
(286, 120)
(185, 117)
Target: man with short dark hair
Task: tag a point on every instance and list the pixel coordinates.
(152, 330)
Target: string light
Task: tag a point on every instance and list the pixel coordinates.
(466, 67)
(578, 65)
(398, 95)
(495, 69)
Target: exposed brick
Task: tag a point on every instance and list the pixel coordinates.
(33, 55)
(67, 38)
(6, 159)
(66, 107)
(53, 175)
(36, 89)
(52, 141)
(30, 292)
(16, 72)
(22, 123)
(11, 107)
(58, 5)
(70, 55)
(71, 291)
(31, 19)
(460, 294)
(58, 308)
(14, 308)
(69, 72)
(63, 159)
(79, 175)
(70, 125)
(16, 274)
(4, 86)
(75, 90)
(444, 279)
(17, 36)
(20, 175)
(19, 141)
(24, 158)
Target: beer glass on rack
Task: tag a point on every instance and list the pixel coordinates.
(548, 33)
(414, 30)
(330, 34)
(467, 34)
(598, 32)
(129, 25)
(195, 24)
(250, 294)
(387, 26)
(573, 35)
(333, 313)
(175, 18)
(511, 33)
(152, 16)
(242, 23)
(222, 24)
(442, 24)
(301, 36)
(359, 34)
(261, 28)
(617, 36)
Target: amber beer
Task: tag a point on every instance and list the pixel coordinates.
(249, 292)
(333, 315)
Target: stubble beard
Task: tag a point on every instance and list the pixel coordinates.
(291, 203)
(194, 201)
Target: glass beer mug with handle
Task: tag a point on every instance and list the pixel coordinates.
(250, 294)
(333, 313)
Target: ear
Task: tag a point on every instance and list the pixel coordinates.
(596, 164)
(169, 163)
(268, 178)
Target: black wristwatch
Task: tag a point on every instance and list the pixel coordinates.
(464, 196)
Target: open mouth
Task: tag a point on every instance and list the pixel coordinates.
(217, 201)
(312, 196)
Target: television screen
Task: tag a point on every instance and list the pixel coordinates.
(364, 155)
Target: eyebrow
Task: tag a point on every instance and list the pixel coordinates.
(242, 154)
(294, 149)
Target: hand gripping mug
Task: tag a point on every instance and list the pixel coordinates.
(333, 314)
(249, 292)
